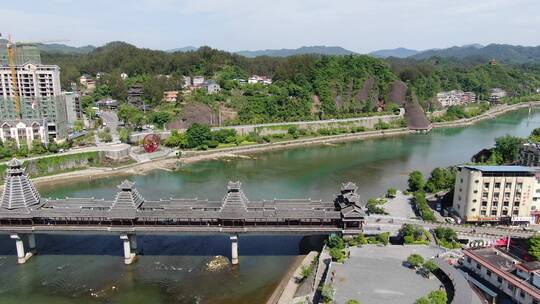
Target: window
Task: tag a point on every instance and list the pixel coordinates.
(499, 279)
(478, 266)
(484, 204)
(488, 272)
(511, 287)
(469, 260)
(483, 212)
(461, 180)
(474, 200)
(473, 209)
(505, 212)
(486, 185)
(494, 204)
(493, 212)
(508, 185)
(497, 185)
(485, 195)
(516, 204)
(475, 191)
(515, 212)
(521, 294)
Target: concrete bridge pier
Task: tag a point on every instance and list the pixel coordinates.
(32, 243)
(130, 246)
(234, 249)
(22, 256)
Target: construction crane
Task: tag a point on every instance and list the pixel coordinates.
(11, 52)
(13, 69)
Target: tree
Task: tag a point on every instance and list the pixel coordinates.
(441, 179)
(391, 192)
(23, 150)
(38, 147)
(176, 140)
(160, 118)
(507, 148)
(423, 300)
(198, 134)
(293, 131)
(53, 148)
(335, 241)
(125, 135)
(327, 293)
(416, 181)
(384, 238)
(438, 297)
(78, 125)
(430, 266)
(415, 260)
(533, 247)
(131, 115)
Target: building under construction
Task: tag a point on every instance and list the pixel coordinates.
(30, 90)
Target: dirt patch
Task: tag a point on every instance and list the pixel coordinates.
(315, 104)
(194, 113)
(363, 94)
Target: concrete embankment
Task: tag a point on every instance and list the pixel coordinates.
(492, 113)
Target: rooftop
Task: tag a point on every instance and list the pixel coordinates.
(509, 169)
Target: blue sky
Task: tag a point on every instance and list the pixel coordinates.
(358, 25)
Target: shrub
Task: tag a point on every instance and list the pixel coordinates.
(212, 144)
(391, 192)
(337, 254)
(430, 266)
(415, 260)
(306, 271)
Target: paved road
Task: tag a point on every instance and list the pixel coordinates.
(393, 223)
(111, 120)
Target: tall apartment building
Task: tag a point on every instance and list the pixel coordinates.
(500, 194)
(40, 96)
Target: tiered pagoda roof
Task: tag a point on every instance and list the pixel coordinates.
(19, 192)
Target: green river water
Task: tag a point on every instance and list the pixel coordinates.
(89, 269)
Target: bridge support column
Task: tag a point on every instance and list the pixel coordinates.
(234, 249)
(129, 257)
(22, 257)
(32, 243)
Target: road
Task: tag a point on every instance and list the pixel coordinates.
(388, 223)
(110, 119)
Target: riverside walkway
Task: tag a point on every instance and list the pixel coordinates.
(23, 213)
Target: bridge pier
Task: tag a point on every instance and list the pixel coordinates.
(234, 249)
(32, 243)
(130, 243)
(22, 256)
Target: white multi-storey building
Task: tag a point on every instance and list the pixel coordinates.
(495, 193)
(33, 81)
(24, 131)
(455, 97)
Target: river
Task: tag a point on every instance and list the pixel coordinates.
(89, 269)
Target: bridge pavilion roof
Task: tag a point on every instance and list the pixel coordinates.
(130, 204)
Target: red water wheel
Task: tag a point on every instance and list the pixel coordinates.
(151, 143)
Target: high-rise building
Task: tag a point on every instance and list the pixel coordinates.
(24, 53)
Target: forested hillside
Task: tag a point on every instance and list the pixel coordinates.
(305, 86)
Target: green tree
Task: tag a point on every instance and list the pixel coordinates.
(415, 260)
(160, 118)
(125, 135)
(533, 247)
(38, 147)
(416, 181)
(23, 150)
(438, 297)
(293, 131)
(384, 238)
(78, 125)
(198, 134)
(176, 140)
(441, 179)
(507, 148)
(131, 115)
(430, 266)
(52, 147)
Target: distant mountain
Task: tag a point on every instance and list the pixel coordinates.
(398, 53)
(500, 52)
(323, 50)
(182, 49)
(65, 49)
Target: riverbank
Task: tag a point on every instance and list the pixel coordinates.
(489, 114)
(171, 162)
